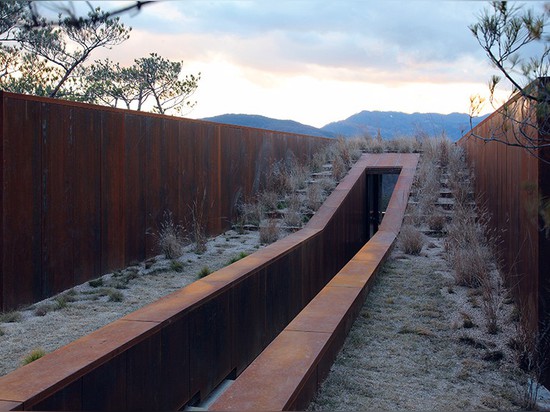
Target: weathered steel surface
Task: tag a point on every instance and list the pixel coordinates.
(286, 375)
(509, 183)
(85, 187)
(182, 346)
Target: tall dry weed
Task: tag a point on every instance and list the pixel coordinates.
(411, 240)
(171, 238)
(269, 232)
(199, 216)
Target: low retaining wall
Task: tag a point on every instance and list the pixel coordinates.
(182, 346)
(287, 374)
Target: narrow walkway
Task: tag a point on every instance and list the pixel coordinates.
(420, 341)
(409, 348)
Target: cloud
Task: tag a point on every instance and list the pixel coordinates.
(288, 36)
(299, 56)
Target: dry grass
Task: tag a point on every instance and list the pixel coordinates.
(268, 201)
(411, 240)
(315, 196)
(417, 344)
(269, 232)
(34, 355)
(437, 221)
(199, 216)
(293, 216)
(250, 213)
(10, 317)
(170, 238)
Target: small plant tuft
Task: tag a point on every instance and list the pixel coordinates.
(10, 317)
(269, 233)
(238, 257)
(35, 354)
(411, 240)
(205, 271)
(96, 283)
(170, 239)
(176, 266)
(115, 295)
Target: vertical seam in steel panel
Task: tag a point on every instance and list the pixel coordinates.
(2, 271)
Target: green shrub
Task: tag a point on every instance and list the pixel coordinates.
(115, 295)
(10, 317)
(238, 257)
(205, 271)
(60, 302)
(96, 282)
(34, 355)
(176, 266)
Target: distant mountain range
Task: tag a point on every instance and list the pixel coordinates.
(387, 124)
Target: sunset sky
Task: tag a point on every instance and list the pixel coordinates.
(316, 61)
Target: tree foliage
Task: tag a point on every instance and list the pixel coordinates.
(151, 78)
(507, 33)
(42, 59)
(47, 58)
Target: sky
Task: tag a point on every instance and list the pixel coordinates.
(316, 61)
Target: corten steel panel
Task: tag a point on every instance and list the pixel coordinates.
(288, 356)
(210, 344)
(216, 203)
(312, 266)
(326, 312)
(143, 375)
(235, 161)
(172, 167)
(204, 158)
(135, 187)
(188, 138)
(155, 199)
(508, 183)
(2, 203)
(112, 192)
(86, 128)
(67, 399)
(134, 173)
(544, 257)
(279, 284)
(22, 203)
(174, 369)
(177, 304)
(104, 388)
(10, 406)
(48, 375)
(248, 325)
(58, 171)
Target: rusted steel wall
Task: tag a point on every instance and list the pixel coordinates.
(84, 187)
(182, 346)
(287, 374)
(509, 181)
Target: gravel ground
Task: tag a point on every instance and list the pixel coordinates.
(57, 321)
(420, 343)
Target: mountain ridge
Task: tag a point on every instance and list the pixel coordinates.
(387, 124)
